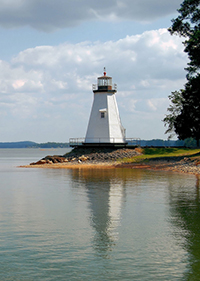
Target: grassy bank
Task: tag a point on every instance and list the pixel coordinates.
(162, 153)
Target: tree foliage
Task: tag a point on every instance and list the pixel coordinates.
(187, 24)
(184, 112)
(187, 123)
(174, 111)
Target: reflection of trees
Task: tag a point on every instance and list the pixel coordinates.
(185, 211)
(106, 193)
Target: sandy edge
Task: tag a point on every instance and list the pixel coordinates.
(99, 165)
(150, 165)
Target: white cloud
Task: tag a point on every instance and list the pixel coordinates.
(50, 87)
(18, 84)
(52, 14)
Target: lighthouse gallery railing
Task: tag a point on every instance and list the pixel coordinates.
(80, 141)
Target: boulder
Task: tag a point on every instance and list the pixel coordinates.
(40, 162)
(83, 158)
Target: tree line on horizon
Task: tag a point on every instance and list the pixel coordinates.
(48, 145)
(30, 144)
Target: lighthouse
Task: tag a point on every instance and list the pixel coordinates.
(104, 127)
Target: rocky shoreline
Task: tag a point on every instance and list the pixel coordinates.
(89, 155)
(187, 165)
(110, 158)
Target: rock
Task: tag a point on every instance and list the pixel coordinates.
(83, 158)
(55, 158)
(40, 162)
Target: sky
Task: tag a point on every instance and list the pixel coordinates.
(51, 52)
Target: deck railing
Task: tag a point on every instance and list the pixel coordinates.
(133, 141)
(80, 141)
(96, 87)
(76, 141)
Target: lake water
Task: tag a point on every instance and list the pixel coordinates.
(114, 224)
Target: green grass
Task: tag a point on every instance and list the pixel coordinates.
(153, 153)
(170, 151)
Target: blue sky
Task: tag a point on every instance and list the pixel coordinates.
(51, 53)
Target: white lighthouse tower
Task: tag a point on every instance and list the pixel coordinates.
(104, 127)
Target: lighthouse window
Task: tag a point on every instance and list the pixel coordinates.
(102, 114)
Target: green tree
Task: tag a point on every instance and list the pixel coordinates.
(184, 112)
(187, 25)
(174, 111)
(190, 142)
(187, 123)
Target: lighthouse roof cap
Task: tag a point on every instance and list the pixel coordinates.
(104, 77)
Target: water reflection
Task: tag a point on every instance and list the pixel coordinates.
(106, 194)
(185, 216)
(130, 214)
(119, 224)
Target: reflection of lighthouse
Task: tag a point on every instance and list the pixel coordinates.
(105, 194)
(105, 213)
(105, 126)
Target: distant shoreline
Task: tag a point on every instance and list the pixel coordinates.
(30, 144)
(142, 143)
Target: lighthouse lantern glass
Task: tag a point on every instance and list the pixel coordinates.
(104, 81)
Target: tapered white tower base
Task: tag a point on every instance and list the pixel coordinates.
(104, 127)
